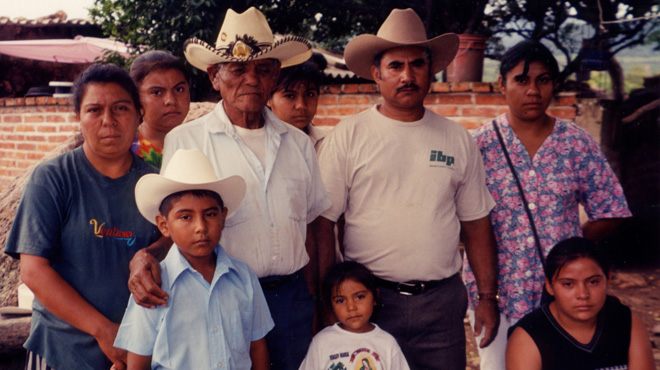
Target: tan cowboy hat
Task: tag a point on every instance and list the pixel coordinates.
(189, 169)
(403, 27)
(244, 37)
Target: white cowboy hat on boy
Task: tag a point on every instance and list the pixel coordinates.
(189, 169)
(403, 27)
(244, 37)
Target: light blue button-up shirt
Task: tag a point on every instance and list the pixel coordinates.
(268, 229)
(204, 325)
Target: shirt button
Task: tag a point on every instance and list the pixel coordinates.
(532, 173)
(274, 258)
(530, 240)
(219, 364)
(532, 206)
(215, 329)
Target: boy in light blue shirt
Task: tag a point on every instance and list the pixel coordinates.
(217, 315)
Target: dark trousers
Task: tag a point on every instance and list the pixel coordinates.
(292, 309)
(428, 326)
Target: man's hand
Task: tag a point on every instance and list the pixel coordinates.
(144, 280)
(487, 317)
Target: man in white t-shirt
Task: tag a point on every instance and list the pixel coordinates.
(284, 190)
(408, 183)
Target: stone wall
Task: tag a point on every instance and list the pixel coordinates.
(32, 127)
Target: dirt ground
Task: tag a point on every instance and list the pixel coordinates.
(639, 289)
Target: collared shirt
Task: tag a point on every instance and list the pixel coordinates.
(204, 325)
(566, 171)
(268, 229)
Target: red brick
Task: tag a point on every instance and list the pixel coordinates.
(35, 156)
(353, 99)
(564, 113)
(42, 100)
(34, 119)
(326, 99)
(55, 118)
(340, 111)
(14, 102)
(326, 121)
(36, 138)
(489, 99)
(24, 164)
(334, 89)
(503, 110)
(460, 86)
(65, 109)
(4, 162)
(565, 100)
(51, 101)
(46, 147)
(5, 145)
(320, 111)
(16, 137)
(368, 88)
(12, 119)
(57, 138)
(473, 111)
(454, 99)
(30, 101)
(440, 87)
(431, 99)
(46, 128)
(25, 128)
(72, 118)
(351, 88)
(444, 110)
(481, 87)
(24, 146)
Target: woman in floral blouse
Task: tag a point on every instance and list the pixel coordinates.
(163, 83)
(558, 167)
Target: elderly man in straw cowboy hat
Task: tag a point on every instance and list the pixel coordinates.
(278, 162)
(408, 182)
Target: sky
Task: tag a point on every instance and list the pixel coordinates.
(38, 8)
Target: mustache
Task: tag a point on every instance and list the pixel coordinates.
(409, 85)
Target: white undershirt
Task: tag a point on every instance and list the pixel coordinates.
(255, 140)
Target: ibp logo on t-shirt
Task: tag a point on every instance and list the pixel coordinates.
(439, 159)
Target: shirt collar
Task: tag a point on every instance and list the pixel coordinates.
(176, 264)
(222, 123)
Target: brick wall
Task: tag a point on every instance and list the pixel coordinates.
(31, 127)
(469, 103)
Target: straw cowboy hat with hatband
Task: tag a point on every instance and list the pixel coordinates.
(187, 170)
(245, 37)
(403, 27)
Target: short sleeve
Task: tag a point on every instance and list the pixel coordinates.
(139, 329)
(40, 216)
(333, 165)
(473, 199)
(262, 321)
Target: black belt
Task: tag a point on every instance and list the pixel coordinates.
(275, 282)
(412, 287)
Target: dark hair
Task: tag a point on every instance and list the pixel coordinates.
(167, 203)
(528, 51)
(153, 60)
(104, 74)
(348, 270)
(307, 72)
(570, 250)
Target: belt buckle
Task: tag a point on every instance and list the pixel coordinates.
(416, 288)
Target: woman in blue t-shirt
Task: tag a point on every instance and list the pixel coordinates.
(77, 228)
